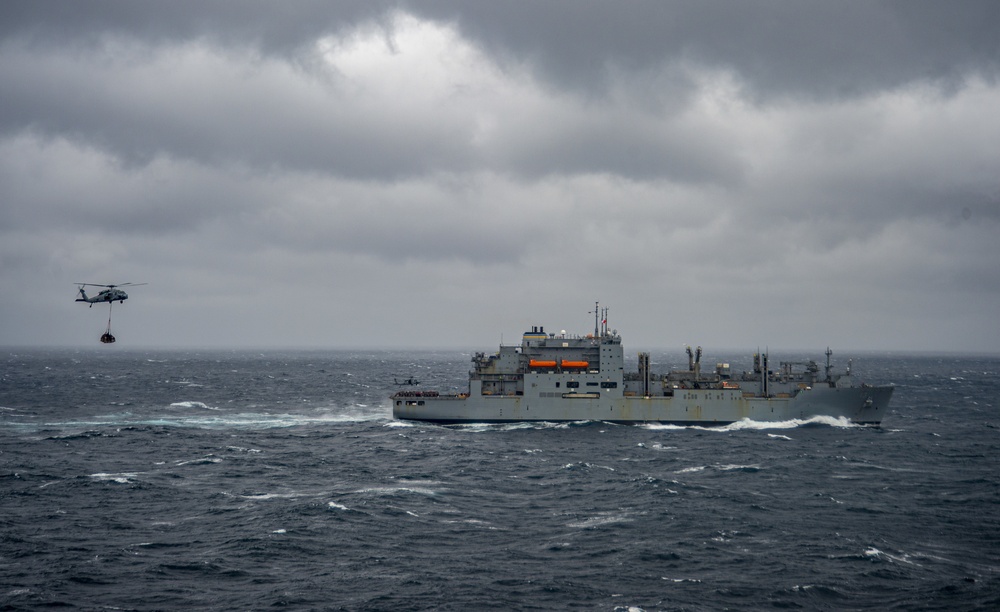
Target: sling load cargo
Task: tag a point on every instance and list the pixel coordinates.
(110, 294)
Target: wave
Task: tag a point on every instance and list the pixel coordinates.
(509, 426)
(97, 425)
(764, 425)
(391, 491)
(362, 413)
(732, 467)
(268, 496)
(877, 555)
(255, 420)
(745, 424)
(600, 520)
(201, 405)
(120, 478)
(201, 461)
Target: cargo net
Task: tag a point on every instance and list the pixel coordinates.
(106, 337)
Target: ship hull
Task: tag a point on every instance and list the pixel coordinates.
(706, 407)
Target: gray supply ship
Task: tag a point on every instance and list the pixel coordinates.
(560, 377)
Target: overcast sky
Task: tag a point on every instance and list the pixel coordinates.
(447, 174)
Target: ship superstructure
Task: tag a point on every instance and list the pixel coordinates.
(562, 377)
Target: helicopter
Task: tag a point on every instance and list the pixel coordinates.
(110, 294)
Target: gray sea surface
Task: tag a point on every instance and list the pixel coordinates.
(167, 480)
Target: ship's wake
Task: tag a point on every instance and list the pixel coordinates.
(816, 421)
(745, 424)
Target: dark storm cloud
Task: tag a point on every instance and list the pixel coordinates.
(193, 102)
(773, 49)
(779, 48)
(271, 26)
(813, 168)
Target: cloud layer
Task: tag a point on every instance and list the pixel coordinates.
(438, 174)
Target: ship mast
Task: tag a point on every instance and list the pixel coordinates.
(600, 320)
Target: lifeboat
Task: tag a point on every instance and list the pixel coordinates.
(542, 363)
(574, 364)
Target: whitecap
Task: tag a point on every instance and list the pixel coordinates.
(690, 470)
(874, 553)
(733, 466)
(663, 426)
(337, 506)
(201, 461)
(395, 490)
(660, 447)
(584, 464)
(789, 424)
(750, 424)
(200, 405)
(121, 478)
(395, 423)
(261, 420)
(599, 521)
(266, 496)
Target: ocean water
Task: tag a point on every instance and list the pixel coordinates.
(168, 480)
